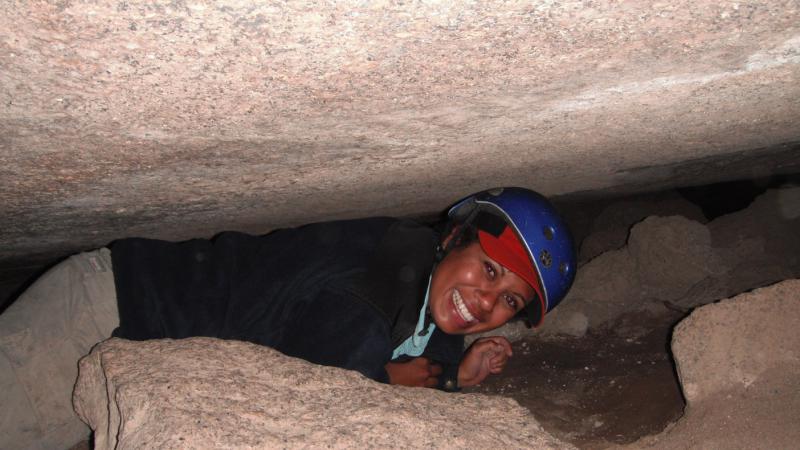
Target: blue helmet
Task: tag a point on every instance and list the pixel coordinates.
(541, 231)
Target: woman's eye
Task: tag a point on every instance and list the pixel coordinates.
(512, 302)
(490, 270)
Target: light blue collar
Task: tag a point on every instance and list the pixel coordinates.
(416, 343)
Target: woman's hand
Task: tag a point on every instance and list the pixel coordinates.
(419, 372)
(485, 355)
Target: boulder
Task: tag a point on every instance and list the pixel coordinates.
(731, 344)
(210, 393)
(609, 230)
(664, 259)
(739, 366)
(670, 255)
(682, 263)
(756, 247)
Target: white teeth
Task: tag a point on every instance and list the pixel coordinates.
(461, 308)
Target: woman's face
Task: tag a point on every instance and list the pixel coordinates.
(471, 293)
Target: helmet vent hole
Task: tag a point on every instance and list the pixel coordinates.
(546, 259)
(562, 268)
(548, 233)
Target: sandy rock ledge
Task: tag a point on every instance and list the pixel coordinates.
(209, 393)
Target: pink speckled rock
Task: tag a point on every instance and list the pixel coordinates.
(179, 119)
(209, 393)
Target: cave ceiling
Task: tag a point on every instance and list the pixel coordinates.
(178, 119)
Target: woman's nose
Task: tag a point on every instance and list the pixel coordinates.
(486, 299)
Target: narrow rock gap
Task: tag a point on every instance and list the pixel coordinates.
(607, 385)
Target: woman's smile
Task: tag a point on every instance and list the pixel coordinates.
(461, 308)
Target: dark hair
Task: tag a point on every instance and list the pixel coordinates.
(465, 234)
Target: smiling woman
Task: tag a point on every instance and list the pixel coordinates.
(490, 272)
(520, 231)
(472, 293)
(388, 298)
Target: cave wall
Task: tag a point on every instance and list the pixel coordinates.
(178, 119)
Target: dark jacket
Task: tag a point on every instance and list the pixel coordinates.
(343, 293)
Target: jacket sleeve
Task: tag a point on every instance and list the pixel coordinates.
(338, 330)
(447, 350)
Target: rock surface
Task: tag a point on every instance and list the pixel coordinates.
(663, 259)
(610, 229)
(209, 393)
(680, 263)
(739, 365)
(731, 344)
(180, 119)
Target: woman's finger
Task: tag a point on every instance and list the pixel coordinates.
(501, 343)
